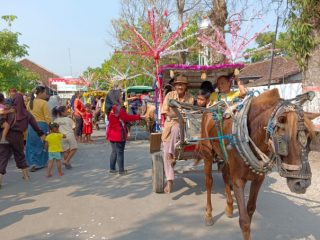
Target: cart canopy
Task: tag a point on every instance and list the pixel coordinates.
(139, 89)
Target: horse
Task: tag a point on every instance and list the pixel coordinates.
(148, 112)
(291, 123)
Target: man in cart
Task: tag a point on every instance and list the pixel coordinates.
(224, 86)
(171, 131)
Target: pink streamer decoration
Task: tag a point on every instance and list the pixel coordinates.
(219, 43)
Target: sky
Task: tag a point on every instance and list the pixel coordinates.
(54, 28)
(68, 36)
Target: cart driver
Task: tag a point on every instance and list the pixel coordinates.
(171, 131)
(224, 87)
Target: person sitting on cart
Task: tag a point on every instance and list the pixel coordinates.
(171, 130)
(133, 102)
(224, 86)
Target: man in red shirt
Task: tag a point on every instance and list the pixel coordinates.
(79, 111)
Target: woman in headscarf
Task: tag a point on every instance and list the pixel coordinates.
(117, 132)
(54, 101)
(19, 123)
(38, 106)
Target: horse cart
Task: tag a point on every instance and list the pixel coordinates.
(188, 116)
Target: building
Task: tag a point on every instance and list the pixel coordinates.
(284, 71)
(44, 74)
(286, 76)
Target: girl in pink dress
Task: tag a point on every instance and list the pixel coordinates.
(87, 124)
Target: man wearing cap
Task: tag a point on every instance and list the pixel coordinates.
(171, 131)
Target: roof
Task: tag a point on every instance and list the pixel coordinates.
(43, 73)
(259, 71)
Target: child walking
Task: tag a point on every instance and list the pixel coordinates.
(53, 144)
(3, 119)
(87, 123)
(66, 127)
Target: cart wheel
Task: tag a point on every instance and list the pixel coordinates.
(157, 173)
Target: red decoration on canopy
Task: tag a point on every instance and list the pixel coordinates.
(158, 44)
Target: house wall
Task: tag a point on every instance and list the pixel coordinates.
(287, 91)
(291, 90)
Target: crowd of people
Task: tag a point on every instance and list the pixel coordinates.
(53, 130)
(39, 130)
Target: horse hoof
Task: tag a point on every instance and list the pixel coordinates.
(208, 221)
(228, 212)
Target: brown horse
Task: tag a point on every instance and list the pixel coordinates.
(236, 169)
(148, 112)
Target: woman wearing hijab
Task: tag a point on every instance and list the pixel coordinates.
(19, 123)
(36, 156)
(117, 131)
(54, 101)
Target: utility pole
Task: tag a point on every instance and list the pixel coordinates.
(70, 62)
(272, 52)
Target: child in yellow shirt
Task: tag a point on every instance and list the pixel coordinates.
(54, 145)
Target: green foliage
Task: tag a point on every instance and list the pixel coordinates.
(303, 22)
(12, 74)
(265, 39)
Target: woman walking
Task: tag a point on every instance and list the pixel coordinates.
(117, 132)
(19, 124)
(36, 156)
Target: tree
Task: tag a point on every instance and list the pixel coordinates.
(12, 74)
(218, 16)
(264, 46)
(303, 22)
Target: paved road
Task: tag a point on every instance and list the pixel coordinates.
(89, 203)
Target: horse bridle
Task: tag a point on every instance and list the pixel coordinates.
(278, 143)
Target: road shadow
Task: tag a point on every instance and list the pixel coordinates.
(89, 176)
(14, 217)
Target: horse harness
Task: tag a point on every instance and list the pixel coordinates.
(278, 143)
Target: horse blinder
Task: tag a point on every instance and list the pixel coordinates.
(281, 145)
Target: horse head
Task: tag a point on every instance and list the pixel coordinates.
(290, 132)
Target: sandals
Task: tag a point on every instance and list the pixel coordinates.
(33, 169)
(125, 172)
(168, 187)
(67, 165)
(4, 142)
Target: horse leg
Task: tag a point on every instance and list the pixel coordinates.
(254, 190)
(244, 219)
(209, 180)
(226, 178)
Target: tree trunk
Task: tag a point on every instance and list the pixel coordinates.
(180, 8)
(218, 17)
(311, 80)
